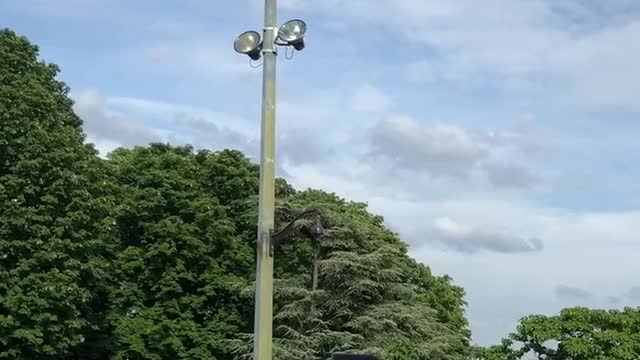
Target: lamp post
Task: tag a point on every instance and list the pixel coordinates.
(250, 44)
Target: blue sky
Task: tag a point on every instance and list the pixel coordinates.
(497, 137)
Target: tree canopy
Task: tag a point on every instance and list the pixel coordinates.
(574, 334)
(54, 217)
(150, 253)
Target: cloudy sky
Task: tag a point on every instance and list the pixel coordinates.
(498, 137)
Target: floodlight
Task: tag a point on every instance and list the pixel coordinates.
(292, 32)
(249, 43)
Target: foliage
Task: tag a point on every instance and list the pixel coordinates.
(582, 334)
(54, 216)
(504, 351)
(150, 253)
(574, 334)
(181, 266)
(370, 295)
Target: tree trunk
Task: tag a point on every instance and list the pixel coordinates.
(314, 286)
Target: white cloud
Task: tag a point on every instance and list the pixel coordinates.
(603, 67)
(403, 143)
(165, 113)
(117, 121)
(111, 122)
(303, 146)
(471, 240)
(106, 128)
(103, 146)
(572, 293)
(368, 98)
(67, 9)
(202, 57)
(315, 110)
(437, 149)
(510, 175)
(634, 293)
(586, 48)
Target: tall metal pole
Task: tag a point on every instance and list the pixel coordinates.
(263, 325)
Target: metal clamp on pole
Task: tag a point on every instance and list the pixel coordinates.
(269, 45)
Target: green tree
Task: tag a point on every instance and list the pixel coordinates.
(504, 351)
(581, 334)
(355, 289)
(54, 216)
(181, 267)
(574, 334)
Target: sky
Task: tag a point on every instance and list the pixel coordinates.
(497, 137)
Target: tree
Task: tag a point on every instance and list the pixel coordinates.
(54, 217)
(504, 351)
(181, 266)
(355, 289)
(574, 334)
(582, 334)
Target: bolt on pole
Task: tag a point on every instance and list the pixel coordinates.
(263, 325)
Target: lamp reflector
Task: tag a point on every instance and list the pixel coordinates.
(292, 32)
(248, 43)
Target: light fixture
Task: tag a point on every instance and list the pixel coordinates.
(292, 32)
(249, 43)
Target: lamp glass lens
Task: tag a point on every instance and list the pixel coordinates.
(292, 30)
(247, 42)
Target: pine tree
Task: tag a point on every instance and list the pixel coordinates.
(355, 289)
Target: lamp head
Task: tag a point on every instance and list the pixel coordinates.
(292, 32)
(249, 43)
